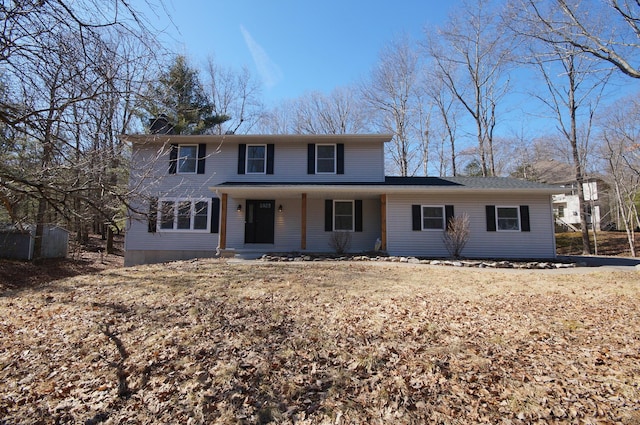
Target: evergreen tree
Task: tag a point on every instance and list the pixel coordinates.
(180, 96)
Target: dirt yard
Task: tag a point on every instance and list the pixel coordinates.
(310, 343)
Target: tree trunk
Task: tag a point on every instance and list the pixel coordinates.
(110, 249)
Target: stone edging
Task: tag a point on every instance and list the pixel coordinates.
(503, 264)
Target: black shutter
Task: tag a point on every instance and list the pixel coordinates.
(270, 152)
(311, 158)
(416, 217)
(358, 215)
(328, 215)
(491, 218)
(448, 214)
(525, 226)
(202, 154)
(340, 158)
(215, 215)
(152, 218)
(173, 158)
(242, 152)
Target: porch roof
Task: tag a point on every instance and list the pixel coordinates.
(391, 185)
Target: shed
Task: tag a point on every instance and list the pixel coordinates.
(19, 244)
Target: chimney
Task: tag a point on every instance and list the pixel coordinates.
(160, 125)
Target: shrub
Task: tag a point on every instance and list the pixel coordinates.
(340, 242)
(457, 234)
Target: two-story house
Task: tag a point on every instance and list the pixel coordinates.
(566, 205)
(202, 196)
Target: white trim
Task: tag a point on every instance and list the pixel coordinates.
(353, 215)
(444, 218)
(335, 158)
(517, 208)
(264, 161)
(176, 202)
(195, 168)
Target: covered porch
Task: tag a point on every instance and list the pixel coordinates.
(262, 218)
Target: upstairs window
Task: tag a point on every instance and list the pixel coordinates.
(187, 159)
(256, 159)
(326, 159)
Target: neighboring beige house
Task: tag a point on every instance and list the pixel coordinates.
(246, 195)
(565, 205)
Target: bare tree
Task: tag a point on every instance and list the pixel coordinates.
(62, 63)
(235, 94)
(390, 93)
(340, 112)
(471, 54)
(621, 136)
(574, 85)
(608, 30)
(444, 125)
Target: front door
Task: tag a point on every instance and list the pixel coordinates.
(259, 217)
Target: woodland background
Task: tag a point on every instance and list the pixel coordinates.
(75, 76)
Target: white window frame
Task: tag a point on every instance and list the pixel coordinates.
(335, 158)
(192, 215)
(353, 215)
(181, 158)
(430, 229)
(264, 160)
(517, 208)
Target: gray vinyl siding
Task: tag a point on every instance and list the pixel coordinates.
(538, 243)
(363, 162)
(318, 239)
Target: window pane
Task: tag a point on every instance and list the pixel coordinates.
(201, 217)
(166, 215)
(255, 166)
(508, 219)
(325, 161)
(255, 159)
(184, 215)
(326, 151)
(343, 223)
(344, 208)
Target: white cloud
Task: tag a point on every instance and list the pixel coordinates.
(268, 70)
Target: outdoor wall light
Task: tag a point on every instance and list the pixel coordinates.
(280, 208)
(239, 208)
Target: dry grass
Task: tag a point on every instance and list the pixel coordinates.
(211, 342)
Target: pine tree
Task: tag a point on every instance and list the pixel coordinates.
(180, 96)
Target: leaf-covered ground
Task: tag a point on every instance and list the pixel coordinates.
(335, 343)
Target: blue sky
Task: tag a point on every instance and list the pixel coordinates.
(293, 46)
